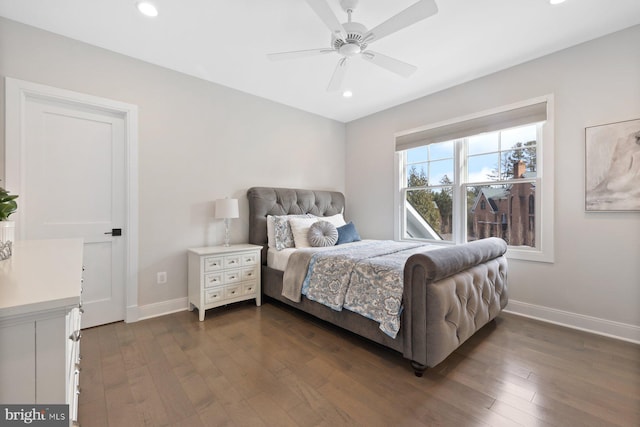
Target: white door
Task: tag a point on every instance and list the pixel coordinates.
(74, 182)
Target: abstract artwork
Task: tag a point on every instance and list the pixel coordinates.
(612, 169)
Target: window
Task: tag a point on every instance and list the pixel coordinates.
(478, 177)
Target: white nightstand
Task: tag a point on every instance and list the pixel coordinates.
(220, 275)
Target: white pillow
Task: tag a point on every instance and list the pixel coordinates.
(337, 219)
(300, 229)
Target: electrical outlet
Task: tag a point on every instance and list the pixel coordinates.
(162, 277)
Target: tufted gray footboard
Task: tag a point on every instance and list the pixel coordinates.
(450, 293)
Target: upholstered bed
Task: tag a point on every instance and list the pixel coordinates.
(448, 292)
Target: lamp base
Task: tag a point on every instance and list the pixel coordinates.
(227, 238)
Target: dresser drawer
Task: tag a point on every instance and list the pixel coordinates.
(213, 263)
(250, 259)
(213, 279)
(232, 291)
(231, 261)
(232, 276)
(213, 295)
(250, 288)
(249, 273)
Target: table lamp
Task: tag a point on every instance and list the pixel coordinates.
(227, 209)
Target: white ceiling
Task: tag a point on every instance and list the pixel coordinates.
(226, 42)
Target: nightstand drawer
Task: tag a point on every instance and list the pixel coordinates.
(213, 279)
(249, 273)
(232, 276)
(250, 288)
(250, 259)
(214, 295)
(231, 261)
(213, 263)
(232, 291)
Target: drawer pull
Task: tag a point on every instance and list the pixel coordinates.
(249, 274)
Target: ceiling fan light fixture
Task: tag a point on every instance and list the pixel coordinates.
(347, 94)
(349, 49)
(147, 8)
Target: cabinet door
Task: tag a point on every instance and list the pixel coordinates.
(17, 363)
(51, 375)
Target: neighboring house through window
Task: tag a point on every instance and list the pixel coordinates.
(486, 175)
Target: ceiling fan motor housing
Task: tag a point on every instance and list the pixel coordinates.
(353, 44)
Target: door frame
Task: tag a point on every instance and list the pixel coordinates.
(16, 94)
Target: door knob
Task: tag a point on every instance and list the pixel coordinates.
(115, 232)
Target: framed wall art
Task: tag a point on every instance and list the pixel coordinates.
(612, 167)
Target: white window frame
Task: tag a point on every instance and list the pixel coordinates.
(544, 200)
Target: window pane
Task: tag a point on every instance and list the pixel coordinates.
(416, 155)
(417, 175)
(519, 163)
(441, 150)
(483, 168)
(505, 211)
(484, 143)
(518, 137)
(439, 170)
(428, 214)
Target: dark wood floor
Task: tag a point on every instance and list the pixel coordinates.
(270, 366)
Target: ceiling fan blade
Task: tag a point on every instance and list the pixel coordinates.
(338, 76)
(324, 12)
(414, 13)
(388, 63)
(298, 54)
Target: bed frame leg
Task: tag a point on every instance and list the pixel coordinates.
(418, 368)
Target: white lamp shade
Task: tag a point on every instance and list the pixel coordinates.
(227, 208)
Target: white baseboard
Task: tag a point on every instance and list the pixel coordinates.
(141, 312)
(595, 325)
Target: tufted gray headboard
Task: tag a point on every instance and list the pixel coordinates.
(265, 201)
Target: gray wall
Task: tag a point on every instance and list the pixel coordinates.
(197, 142)
(595, 280)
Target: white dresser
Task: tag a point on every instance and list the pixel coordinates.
(220, 275)
(40, 288)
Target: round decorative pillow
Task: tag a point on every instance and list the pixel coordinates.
(322, 233)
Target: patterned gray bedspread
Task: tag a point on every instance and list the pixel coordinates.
(365, 277)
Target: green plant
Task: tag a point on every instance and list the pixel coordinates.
(8, 204)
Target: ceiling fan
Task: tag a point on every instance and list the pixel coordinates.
(352, 39)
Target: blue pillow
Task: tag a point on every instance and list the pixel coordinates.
(347, 234)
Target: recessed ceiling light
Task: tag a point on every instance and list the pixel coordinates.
(347, 94)
(556, 1)
(147, 8)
